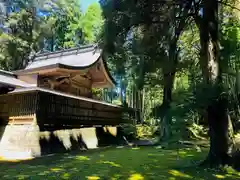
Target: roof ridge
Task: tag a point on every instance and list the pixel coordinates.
(80, 49)
(7, 73)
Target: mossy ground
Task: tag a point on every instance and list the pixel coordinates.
(117, 163)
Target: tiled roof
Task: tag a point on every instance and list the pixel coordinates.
(80, 57)
(74, 59)
(7, 73)
(9, 79)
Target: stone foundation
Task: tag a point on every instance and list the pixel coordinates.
(28, 141)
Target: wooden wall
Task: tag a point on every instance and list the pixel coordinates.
(49, 109)
(20, 108)
(61, 110)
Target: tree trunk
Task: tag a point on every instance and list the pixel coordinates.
(143, 105)
(220, 126)
(166, 106)
(169, 72)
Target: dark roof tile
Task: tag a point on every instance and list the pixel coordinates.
(75, 57)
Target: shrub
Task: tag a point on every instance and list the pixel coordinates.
(146, 131)
(129, 131)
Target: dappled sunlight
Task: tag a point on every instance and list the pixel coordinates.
(66, 176)
(83, 158)
(16, 156)
(155, 155)
(182, 152)
(158, 147)
(231, 171)
(189, 155)
(135, 148)
(219, 176)
(22, 177)
(44, 173)
(110, 163)
(3, 159)
(93, 177)
(45, 135)
(67, 139)
(172, 178)
(136, 177)
(111, 130)
(114, 163)
(64, 137)
(74, 169)
(179, 174)
(56, 169)
(116, 176)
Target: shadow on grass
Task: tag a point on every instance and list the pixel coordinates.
(116, 163)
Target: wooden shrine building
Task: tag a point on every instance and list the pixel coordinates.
(54, 94)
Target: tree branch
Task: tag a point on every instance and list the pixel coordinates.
(229, 5)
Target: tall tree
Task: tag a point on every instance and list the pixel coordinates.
(67, 29)
(92, 23)
(71, 26)
(220, 126)
(162, 23)
(179, 21)
(24, 34)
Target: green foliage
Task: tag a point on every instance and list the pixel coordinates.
(146, 131)
(72, 27)
(97, 92)
(153, 98)
(143, 131)
(129, 131)
(197, 131)
(141, 51)
(117, 102)
(143, 37)
(25, 33)
(92, 23)
(67, 17)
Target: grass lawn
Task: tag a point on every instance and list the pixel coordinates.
(115, 163)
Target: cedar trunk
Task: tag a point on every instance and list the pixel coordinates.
(169, 72)
(220, 127)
